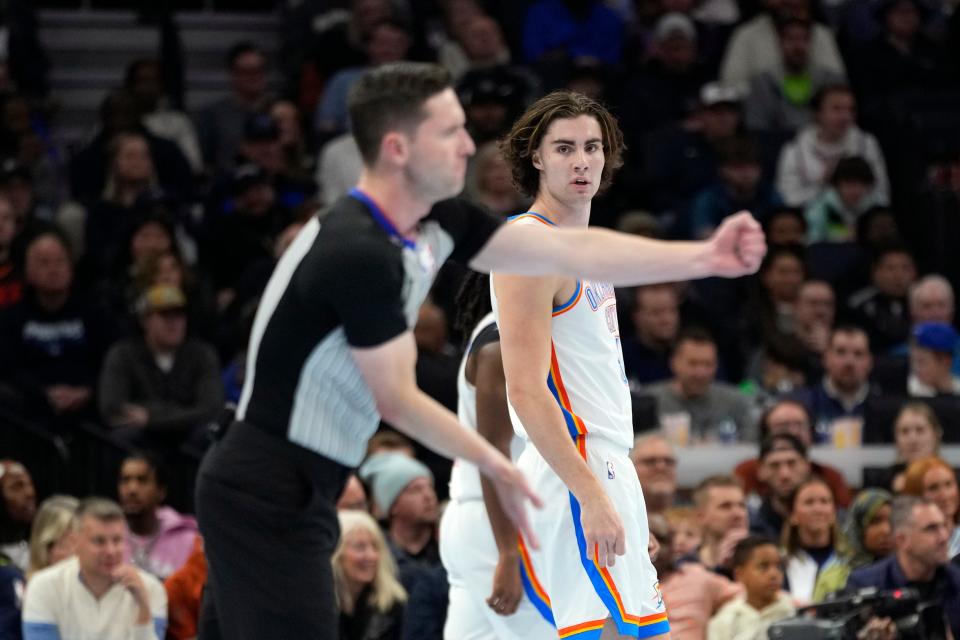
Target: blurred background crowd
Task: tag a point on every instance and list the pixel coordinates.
(155, 163)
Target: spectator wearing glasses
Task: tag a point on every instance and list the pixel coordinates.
(656, 465)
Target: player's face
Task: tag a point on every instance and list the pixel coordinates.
(439, 149)
(570, 159)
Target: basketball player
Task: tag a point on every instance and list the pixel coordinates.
(563, 330)
(332, 352)
(486, 568)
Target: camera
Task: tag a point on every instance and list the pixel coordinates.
(842, 618)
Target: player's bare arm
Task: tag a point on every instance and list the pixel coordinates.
(735, 249)
(485, 371)
(525, 306)
(389, 372)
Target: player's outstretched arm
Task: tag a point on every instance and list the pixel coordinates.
(389, 371)
(735, 249)
(493, 424)
(524, 315)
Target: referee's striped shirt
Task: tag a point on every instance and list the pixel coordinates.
(347, 281)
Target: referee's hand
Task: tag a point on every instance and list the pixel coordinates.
(513, 491)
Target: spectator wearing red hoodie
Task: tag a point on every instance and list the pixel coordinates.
(159, 538)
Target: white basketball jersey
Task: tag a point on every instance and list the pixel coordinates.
(465, 478)
(586, 370)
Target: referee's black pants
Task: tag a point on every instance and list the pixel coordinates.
(267, 513)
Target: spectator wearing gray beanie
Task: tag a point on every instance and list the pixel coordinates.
(404, 500)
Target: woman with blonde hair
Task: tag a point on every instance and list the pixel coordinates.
(53, 538)
(369, 596)
(933, 479)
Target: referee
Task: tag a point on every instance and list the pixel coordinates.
(332, 352)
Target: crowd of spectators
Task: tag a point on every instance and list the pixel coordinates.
(132, 263)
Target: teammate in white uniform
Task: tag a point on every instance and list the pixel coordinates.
(562, 330)
(486, 567)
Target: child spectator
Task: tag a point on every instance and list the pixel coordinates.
(833, 216)
(690, 592)
(686, 530)
(756, 566)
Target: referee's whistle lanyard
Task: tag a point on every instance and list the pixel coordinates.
(423, 252)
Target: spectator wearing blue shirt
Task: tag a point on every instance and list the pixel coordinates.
(739, 187)
(572, 29)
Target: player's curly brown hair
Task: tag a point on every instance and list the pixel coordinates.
(527, 133)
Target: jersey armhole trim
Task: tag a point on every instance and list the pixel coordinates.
(571, 303)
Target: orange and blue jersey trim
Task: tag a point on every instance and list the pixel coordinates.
(531, 585)
(606, 589)
(600, 578)
(575, 425)
(532, 215)
(584, 631)
(578, 292)
(571, 303)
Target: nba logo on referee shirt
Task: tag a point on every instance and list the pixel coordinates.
(611, 474)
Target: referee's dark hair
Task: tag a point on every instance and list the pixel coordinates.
(391, 97)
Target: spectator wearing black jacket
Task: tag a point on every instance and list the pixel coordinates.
(161, 388)
(51, 341)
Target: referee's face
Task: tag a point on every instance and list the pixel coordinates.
(439, 149)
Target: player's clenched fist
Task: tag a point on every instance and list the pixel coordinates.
(737, 247)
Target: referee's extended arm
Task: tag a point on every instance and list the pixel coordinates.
(389, 371)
